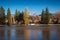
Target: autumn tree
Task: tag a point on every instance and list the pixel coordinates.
(2, 15)
(26, 16)
(9, 17)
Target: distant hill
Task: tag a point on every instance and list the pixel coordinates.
(57, 14)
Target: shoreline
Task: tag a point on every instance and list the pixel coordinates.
(35, 24)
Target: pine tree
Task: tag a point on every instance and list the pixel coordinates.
(26, 16)
(21, 17)
(42, 16)
(9, 17)
(2, 15)
(47, 16)
(17, 15)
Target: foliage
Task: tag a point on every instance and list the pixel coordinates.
(45, 17)
(42, 17)
(19, 16)
(2, 15)
(26, 16)
(9, 17)
(16, 15)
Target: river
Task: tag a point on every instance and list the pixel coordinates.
(35, 32)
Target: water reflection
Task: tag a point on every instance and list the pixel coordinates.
(39, 35)
(1, 34)
(46, 34)
(33, 34)
(53, 35)
(5, 34)
(13, 34)
(26, 33)
(19, 34)
(58, 33)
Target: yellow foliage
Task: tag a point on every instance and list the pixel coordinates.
(26, 16)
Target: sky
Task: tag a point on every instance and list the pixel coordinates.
(33, 5)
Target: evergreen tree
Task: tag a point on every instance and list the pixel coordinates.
(17, 12)
(2, 15)
(26, 16)
(21, 17)
(47, 17)
(17, 15)
(42, 17)
(9, 17)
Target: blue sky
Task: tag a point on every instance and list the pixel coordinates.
(33, 5)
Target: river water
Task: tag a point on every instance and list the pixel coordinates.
(36, 32)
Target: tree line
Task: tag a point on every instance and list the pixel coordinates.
(22, 17)
(19, 16)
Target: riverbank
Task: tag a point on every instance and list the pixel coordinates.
(31, 24)
(23, 27)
